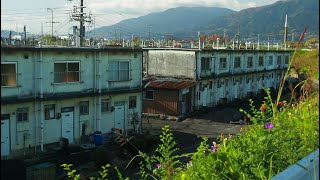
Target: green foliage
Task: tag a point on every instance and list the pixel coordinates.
(311, 41)
(164, 165)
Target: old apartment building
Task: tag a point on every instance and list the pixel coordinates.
(52, 92)
(211, 77)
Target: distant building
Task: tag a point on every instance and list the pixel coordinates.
(207, 77)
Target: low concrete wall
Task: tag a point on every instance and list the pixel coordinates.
(308, 168)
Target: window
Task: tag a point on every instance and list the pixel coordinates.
(8, 75)
(223, 63)
(84, 107)
(49, 112)
(218, 84)
(149, 94)
(105, 105)
(260, 60)
(286, 60)
(132, 102)
(270, 61)
(250, 62)
(22, 114)
(119, 71)
(211, 84)
(66, 72)
(205, 63)
(237, 62)
(279, 60)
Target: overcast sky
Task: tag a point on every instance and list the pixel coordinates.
(34, 13)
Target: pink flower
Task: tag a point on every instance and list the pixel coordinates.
(213, 148)
(268, 125)
(158, 165)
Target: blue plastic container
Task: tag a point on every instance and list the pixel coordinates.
(98, 138)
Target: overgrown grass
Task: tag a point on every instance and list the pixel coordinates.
(307, 62)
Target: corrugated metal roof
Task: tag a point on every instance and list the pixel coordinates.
(171, 84)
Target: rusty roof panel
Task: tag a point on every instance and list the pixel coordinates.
(167, 84)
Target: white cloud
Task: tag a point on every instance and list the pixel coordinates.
(112, 11)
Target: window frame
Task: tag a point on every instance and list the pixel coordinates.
(222, 63)
(286, 60)
(16, 74)
(49, 107)
(260, 61)
(279, 59)
(145, 96)
(131, 98)
(84, 105)
(270, 61)
(237, 62)
(250, 61)
(105, 109)
(23, 110)
(206, 63)
(67, 72)
(119, 70)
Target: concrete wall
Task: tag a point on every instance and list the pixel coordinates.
(171, 63)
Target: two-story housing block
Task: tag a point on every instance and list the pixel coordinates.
(228, 75)
(217, 76)
(49, 93)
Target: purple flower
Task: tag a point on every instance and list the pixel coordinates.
(213, 148)
(158, 165)
(268, 125)
(189, 163)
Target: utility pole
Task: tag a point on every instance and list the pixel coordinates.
(52, 22)
(25, 34)
(80, 16)
(258, 45)
(285, 31)
(238, 37)
(81, 23)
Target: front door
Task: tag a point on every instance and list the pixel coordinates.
(119, 116)
(204, 96)
(5, 134)
(67, 124)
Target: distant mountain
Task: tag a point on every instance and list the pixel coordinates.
(172, 21)
(5, 33)
(184, 22)
(269, 19)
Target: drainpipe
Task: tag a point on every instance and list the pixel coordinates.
(94, 91)
(99, 91)
(35, 101)
(141, 97)
(41, 102)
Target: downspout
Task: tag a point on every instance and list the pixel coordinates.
(141, 87)
(41, 97)
(99, 90)
(94, 91)
(35, 102)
